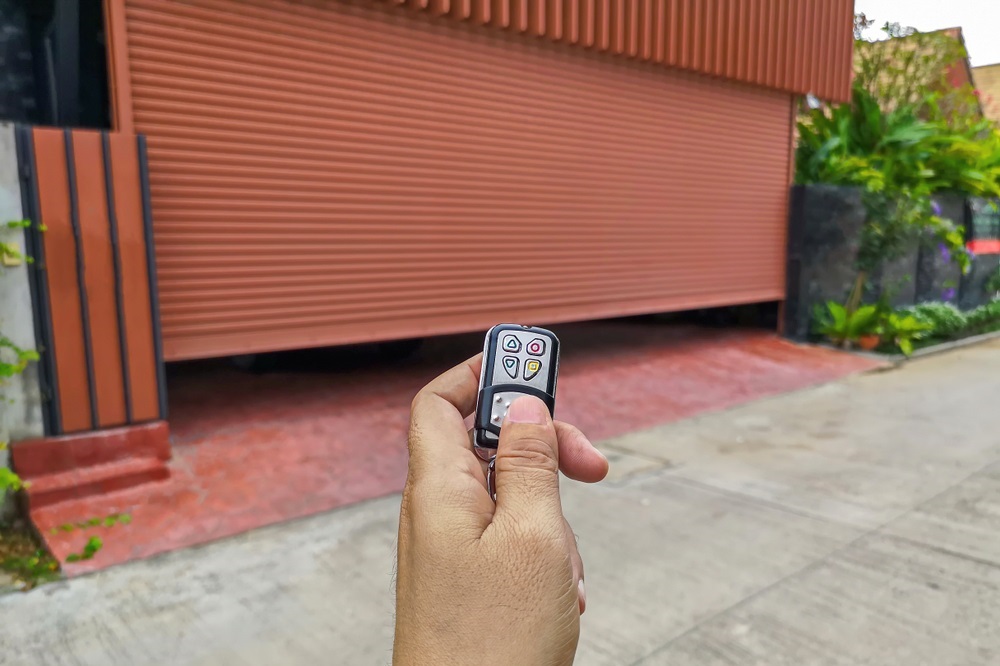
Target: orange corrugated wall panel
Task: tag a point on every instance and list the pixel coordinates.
(326, 173)
(748, 40)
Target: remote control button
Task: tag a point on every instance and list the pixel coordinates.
(511, 344)
(536, 347)
(510, 364)
(531, 367)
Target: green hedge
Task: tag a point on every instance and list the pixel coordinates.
(948, 322)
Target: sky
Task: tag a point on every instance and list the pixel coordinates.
(979, 20)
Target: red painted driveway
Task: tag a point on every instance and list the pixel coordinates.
(328, 429)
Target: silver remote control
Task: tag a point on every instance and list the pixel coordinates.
(517, 360)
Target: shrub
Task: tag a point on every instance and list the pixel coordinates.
(983, 319)
(945, 320)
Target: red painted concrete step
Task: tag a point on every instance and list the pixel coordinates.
(38, 457)
(49, 489)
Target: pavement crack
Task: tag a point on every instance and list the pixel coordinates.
(945, 551)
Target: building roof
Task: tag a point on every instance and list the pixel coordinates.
(959, 74)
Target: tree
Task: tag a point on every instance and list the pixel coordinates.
(907, 68)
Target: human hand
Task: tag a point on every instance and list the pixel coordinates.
(477, 582)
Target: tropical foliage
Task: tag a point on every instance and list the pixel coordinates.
(842, 327)
(905, 135)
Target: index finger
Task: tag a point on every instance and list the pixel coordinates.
(458, 387)
(437, 414)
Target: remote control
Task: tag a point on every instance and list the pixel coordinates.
(517, 360)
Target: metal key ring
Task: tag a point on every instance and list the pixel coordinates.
(491, 478)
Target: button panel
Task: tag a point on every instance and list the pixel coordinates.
(510, 343)
(523, 357)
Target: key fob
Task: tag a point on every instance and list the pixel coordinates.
(517, 360)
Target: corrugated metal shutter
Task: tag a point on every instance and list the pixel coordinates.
(326, 173)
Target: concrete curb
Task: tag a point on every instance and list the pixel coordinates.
(898, 359)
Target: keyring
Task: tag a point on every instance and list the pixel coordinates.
(491, 479)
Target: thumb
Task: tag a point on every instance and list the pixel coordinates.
(527, 463)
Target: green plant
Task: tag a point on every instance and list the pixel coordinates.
(18, 359)
(37, 567)
(9, 482)
(13, 358)
(903, 330)
(108, 521)
(899, 161)
(8, 250)
(992, 285)
(984, 319)
(19, 552)
(841, 326)
(944, 319)
(93, 545)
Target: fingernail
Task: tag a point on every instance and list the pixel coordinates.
(583, 596)
(528, 409)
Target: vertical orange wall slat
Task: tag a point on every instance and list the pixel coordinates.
(588, 21)
(660, 17)
(602, 24)
(845, 64)
(646, 30)
(554, 19)
(61, 270)
(724, 45)
(99, 278)
(135, 278)
(695, 34)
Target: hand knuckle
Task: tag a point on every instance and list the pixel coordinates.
(528, 453)
(417, 402)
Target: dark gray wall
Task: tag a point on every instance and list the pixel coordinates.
(938, 277)
(973, 291)
(822, 243)
(17, 78)
(825, 224)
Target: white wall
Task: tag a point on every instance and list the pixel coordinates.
(20, 398)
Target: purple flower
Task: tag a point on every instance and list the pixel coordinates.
(948, 294)
(936, 207)
(945, 252)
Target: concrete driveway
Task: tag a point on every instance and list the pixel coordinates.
(852, 523)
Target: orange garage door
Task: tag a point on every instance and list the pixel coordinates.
(327, 173)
